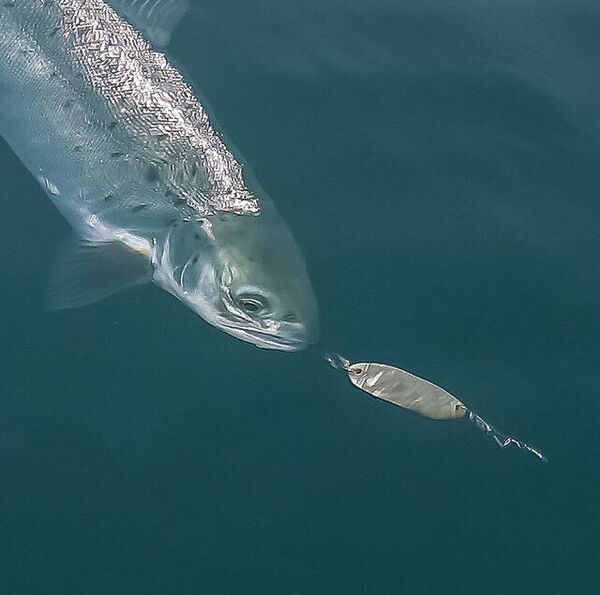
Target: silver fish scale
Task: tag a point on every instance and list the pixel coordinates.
(151, 99)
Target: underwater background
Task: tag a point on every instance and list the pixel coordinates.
(438, 165)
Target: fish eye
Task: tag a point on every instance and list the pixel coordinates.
(253, 304)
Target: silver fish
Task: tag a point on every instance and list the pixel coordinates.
(126, 152)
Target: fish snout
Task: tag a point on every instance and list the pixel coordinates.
(301, 336)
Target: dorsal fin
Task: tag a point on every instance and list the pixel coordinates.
(155, 19)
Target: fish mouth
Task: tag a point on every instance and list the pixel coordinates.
(297, 340)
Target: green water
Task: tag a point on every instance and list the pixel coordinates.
(438, 164)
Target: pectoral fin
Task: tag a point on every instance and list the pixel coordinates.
(155, 19)
(88, 272)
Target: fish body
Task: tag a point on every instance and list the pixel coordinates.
(123, 148)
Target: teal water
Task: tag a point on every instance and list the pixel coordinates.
(438, 164)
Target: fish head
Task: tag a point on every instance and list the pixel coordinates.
(264, 292)
(249, 280)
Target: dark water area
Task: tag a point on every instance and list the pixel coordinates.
(438, 165)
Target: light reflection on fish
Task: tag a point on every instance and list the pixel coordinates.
(126, 152)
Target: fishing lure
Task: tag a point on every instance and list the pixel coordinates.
(421, 396)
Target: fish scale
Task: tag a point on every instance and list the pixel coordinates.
(159, 119)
